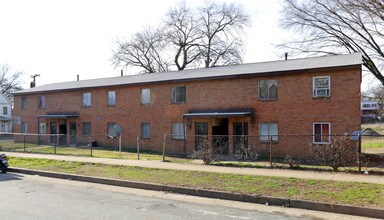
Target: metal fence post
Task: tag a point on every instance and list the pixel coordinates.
(138, 147)
(164, 142)
(57, 143)
(120, 144)
(24, 142)
(90, 144)
(270, 151)
(359, 152)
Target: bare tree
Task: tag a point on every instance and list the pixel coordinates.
(211, 34)
(222, 27)
(337, 26)
(9, 81)
(145, 49)
(183, 33)
(376, 93)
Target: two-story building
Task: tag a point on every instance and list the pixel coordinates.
(313, 96)
(5, 114)
(369, 109)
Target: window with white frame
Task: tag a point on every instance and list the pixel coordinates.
(146, 96)
(24, 127)
(268, 131)
(268, 89)
(178, 131)
(145, 130)
(87, 129)
(41, 102)
(23, 103)
(87, 99)
(321, 132)
(111, 98)
(321, 86)
(179, 94)
(42, 128)
(5, 110)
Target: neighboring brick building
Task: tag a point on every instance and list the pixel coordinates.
(300, 96)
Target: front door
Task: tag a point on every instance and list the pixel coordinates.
(201, 134)
(63, 132)
(240, 132)
(53, 131)
(72, 133)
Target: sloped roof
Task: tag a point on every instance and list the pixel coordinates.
(272, 67)
(4, 100)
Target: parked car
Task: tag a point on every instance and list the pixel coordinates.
(3, 163)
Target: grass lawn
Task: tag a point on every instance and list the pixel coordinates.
(358, 194)
(129, 154)
(11, 146)
(367, 144)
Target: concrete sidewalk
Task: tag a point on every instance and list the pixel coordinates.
(198, 167)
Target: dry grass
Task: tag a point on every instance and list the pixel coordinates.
(357, 194)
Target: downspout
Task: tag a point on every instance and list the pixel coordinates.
(38, 130)
(185, 136)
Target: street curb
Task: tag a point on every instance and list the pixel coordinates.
(301, 204)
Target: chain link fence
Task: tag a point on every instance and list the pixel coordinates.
(334, 151)
(372, 150)
(79, 145)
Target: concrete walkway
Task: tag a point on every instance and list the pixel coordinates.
(337, 176)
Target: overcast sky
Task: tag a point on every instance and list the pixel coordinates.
(60, 39)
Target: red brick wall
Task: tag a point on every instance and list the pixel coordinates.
(294, 111)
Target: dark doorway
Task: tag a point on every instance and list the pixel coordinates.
(53, 131)
(240, 132)
(201, 132)
(220, 134)
(63, 132)
(220, 126)
(72, 133)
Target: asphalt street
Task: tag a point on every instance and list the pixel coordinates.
(35, 197)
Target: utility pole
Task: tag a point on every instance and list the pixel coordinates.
(33, 83)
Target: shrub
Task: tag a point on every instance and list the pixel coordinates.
(340, 152)
(292, 162)
(210, 147)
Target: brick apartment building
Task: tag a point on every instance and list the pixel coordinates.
(314, 96)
